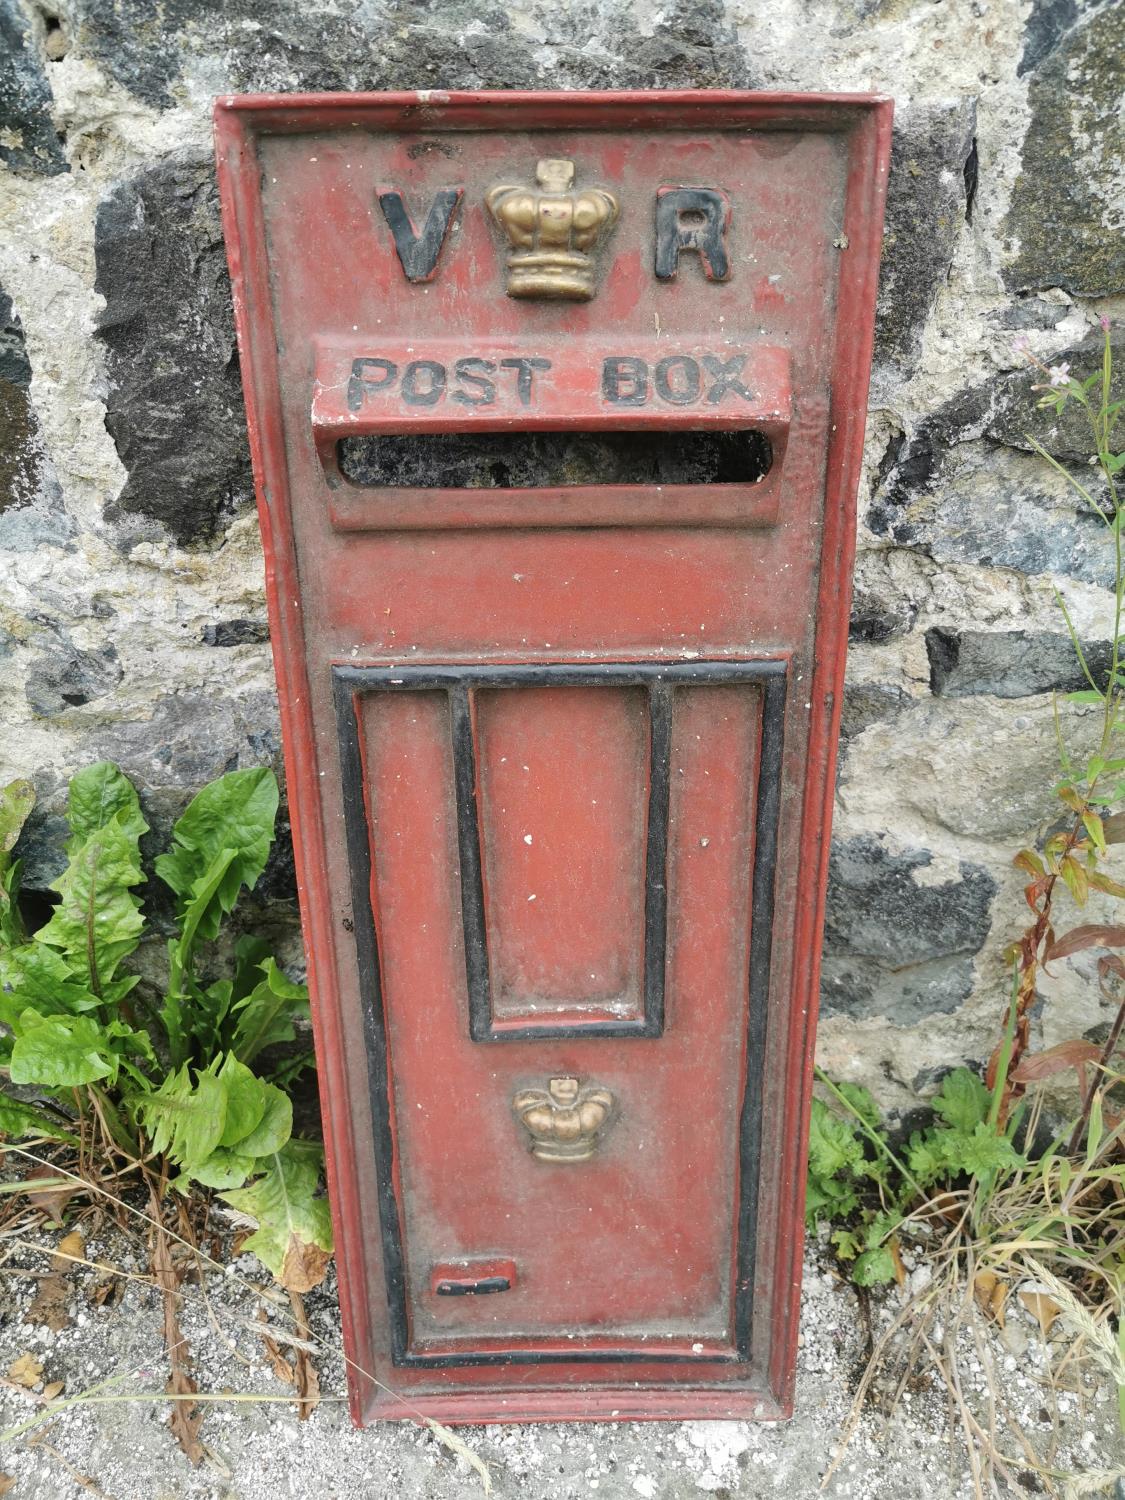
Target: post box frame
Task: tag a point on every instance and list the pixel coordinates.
(866, 121)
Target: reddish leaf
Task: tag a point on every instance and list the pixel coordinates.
(1079, 938)
(1035, 1066)
(1034, 892)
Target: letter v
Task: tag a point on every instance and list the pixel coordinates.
(418, 253)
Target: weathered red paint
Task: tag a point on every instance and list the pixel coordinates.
(622, 1296)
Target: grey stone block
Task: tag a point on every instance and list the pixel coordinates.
(19, 451)
(867, 703)
(950, 490)
(894, 947)
(62, 676)
(1010, 663)
(444, 43)
(175, 407)
(29, 142)
(1066, 222)
(31, 510)
(929, 200)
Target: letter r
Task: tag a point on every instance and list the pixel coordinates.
(705, 232)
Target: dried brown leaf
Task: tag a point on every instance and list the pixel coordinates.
(1041, 1307)
(308, 1385)
(305, 1265)
(278, 1363)
(991, 1293)
(1090, 936)
(26, 1370)
(106, 1289)
(7, 1483)
(52, 1199)
(306, 1379)
(55, 1388)
(72, 1247)
(186, 1418)
(896, 1261)
(50, 1305)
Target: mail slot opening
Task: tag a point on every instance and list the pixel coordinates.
(542, 460)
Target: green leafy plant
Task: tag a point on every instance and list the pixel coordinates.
(968, 1197)
(176, 1077)
(867, 1189)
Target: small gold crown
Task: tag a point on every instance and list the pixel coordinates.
(553, 232)
(564, 1118)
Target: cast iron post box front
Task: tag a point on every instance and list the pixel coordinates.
(556, 404)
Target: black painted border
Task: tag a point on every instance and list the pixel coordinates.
(457, 681)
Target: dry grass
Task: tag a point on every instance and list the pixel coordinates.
(1048, 1238)
(166, 1245)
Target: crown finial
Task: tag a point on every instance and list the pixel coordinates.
(553, 232)
(564, 1119)
(555, 174)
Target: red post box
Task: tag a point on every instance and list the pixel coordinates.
(556, 404)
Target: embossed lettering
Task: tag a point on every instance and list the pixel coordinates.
(433, 392)
(625, 380)
(696, 219)
(360, 381)
(523, 378)
(418, 253)
(474, 373)
(726, 378)
(689, 381)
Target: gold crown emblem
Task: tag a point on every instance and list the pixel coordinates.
(564, 1119)
(553, 232)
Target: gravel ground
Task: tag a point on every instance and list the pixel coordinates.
(258, 1450)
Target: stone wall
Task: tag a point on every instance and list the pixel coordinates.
(133, 622)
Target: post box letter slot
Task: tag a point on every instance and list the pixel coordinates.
(546, 460)
(657, 432)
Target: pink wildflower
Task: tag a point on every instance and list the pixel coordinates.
(1104, 321)
(1060, 374)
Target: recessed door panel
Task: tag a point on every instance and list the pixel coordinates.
(563, 794)
(626, 1236)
